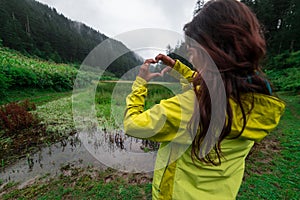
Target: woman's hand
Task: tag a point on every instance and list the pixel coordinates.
(170, 62)
(165, 59)
(145, 73)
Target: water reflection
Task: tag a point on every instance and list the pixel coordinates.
(104, 143)
(117, 140)
(119, 151)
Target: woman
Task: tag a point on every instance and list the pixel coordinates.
(230, 33)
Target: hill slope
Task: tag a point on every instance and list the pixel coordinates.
(34, 28)
(21, 72)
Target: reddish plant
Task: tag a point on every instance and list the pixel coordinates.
(15, 117)
(20, 130)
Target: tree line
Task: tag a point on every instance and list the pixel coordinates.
(279, 20)
(36, 29)
(280, 23)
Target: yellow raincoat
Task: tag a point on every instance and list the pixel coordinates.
(175, 175)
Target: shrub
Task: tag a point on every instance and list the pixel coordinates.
(20, 77)
(284, 71)
(15, 118)
(25, 72)
(4, 83)
(284, 61)
(29, 106)
(285, 79)
(20, 130)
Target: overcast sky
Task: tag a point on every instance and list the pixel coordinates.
(115, 17)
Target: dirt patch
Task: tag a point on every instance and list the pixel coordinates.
(262, 155)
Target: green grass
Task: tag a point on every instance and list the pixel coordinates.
(37, 96)
(24, 72)
(272, 170)
(27, 73)
(112, 97)
(88, 183)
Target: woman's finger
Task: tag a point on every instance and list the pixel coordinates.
(165, 59)
(165, 70)
(159, 57)
(150, 61)
(145, 66)
(153, 75)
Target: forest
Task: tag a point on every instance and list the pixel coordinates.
(279, 20)
(280, 24)
(36, 29)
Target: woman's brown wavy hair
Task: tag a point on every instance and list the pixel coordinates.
(231, 34)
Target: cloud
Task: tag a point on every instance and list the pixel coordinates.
(114, 17)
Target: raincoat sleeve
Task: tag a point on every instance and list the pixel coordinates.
(181, 71)
(164, 121)
(184, 74)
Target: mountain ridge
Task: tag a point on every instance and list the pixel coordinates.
(34, 28)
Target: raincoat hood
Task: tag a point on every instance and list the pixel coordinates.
(263, 116)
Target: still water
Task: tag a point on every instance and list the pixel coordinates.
(99, 149)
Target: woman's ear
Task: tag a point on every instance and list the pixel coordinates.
(191, 54)
(191, 58)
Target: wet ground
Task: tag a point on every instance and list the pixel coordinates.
(99, 149)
